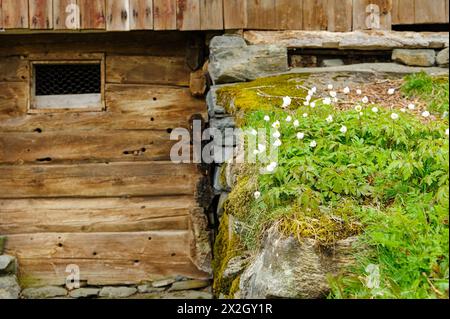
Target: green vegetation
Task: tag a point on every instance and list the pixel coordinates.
(382, 178)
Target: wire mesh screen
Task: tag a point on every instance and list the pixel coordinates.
(62, 79)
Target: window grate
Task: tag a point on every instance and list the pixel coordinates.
(64, 79)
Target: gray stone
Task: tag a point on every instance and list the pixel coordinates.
(442, 58)
(8, 264)
(9, 288)
(218, 185)
(148, 288)
(44, 292)
(332, 62)
(287, 268)
(185, 294)
(235, 266)
(231, 60)
(189, 285)
(220, 206)
(422, 57)
(222, 123)
(84, 293)
(164, 282)
(2, 244)
(117, 292)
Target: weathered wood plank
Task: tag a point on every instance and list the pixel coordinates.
(14, 69)
(128, 107)
(260, 14)
(117, 15)
(211, 14)
(13, 98)
(235, 14)
(15, 14)
(66, 15)
(147, 70)
(340, 15)
(1, 15)
(41, 14)
(95, 215)
(372, 14)
(93, 14)
(141, 14)
(315, 15)
(93, 146)
(188, 15)
(98, 180)
(447, 11)
(430, 11)
(45, 272)
(165, 14)
(289, 14)
(403, 11)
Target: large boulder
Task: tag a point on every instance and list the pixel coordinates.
(442, 58)
(287, 268)
(232, 60)
(423, 57)
(9, 288)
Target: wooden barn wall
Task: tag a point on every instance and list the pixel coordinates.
(125, 15)
(106, 197)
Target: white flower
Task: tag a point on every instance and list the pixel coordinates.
(314, 89)
(394, 116)
(310, 92)
(277, 143)
(255, 152)
(330, 86)
(375, 109)
(313, 144)
(426, 114)
(391, 91)
(300, 136)
(346, 90)
(267, 118)
(313, 104)
(330, 119)
(327, 101)
(344, 129)
(277, 134)
(276, 124)
(446, 132)
(335, 100)
(308, 98)
(365, 100)
(289, 118)
(257, 195)
(333, 94)
(271, 167)
(411, 107)
(261, 147)
(306, 103)
(359, 92)
(358, 108)
(305, 114)
(296, 123)
(403, 110)
(253, 132)
(286, 101)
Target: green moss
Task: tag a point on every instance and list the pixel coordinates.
(225, 248)
(222, 175)
(26, 281)
(241, 198)
(234, 288)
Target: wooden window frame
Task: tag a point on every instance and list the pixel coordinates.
(76, 103)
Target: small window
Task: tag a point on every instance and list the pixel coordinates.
(66, 85)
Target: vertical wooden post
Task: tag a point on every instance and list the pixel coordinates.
(188, 15)
(340, 15)
(261, 14)
(165, 14)
(289, 14)
(372, 14)
(427, 11)
(235, 14)
(315, 15)
(117, 15)
(141, 12)
(66, 15)
(15, 14)
(93, 14)
(41, 14)
(403, 11)
(211, 14)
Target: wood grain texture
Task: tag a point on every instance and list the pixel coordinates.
(165, 14)
(315, 15)
(141, 14)
(188, 15)
(1, 16)
(41, 14)
(147, 70)
(360, 14)
(340, 15)
(289, 14)
(427, 11)
(98, 180)
(117, 15)
(14, 69)
(64, 15)
(403, 11)
(13, 98)
(211, 14)
(15, 14)
(93, 14)
(260, 14)
(92, 146)
(235, 14)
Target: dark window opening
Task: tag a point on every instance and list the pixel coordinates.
(67, 79)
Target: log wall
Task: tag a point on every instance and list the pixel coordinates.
(125, 15)
(98, 189)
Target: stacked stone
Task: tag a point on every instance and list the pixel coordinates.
(421, 57)
(9, 287)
